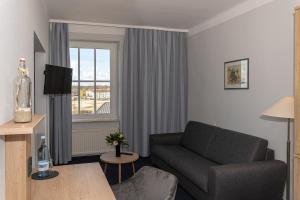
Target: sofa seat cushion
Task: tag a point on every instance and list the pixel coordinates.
(189, 164)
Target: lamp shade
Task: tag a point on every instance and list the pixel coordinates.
(284, 108)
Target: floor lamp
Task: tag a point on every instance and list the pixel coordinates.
(284, 109)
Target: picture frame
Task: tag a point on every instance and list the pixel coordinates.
(236, 74)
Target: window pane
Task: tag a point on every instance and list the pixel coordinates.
(74, 62)
(75, 102)
(87, 97)
(103, 64)
(103, 98)
(87, 64)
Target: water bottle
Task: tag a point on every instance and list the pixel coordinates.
(44, 159)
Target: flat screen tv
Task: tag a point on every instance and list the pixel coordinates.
(58, 80)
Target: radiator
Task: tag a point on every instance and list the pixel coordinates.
(90, 141)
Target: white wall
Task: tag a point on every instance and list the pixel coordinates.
(41, 100)
(19, 19)
(265, 35)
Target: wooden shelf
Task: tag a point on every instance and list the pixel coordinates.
(18, 157)
(12, 128)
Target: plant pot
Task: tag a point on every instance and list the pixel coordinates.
(118, 150)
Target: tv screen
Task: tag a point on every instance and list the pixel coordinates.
(58, 80)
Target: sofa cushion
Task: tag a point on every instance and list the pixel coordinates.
(197, 136)
(230, 147)
(189, 164)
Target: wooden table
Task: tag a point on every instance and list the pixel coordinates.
(75, 182)
(110, 158)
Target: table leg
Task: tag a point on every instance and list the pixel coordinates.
(133, 168)
(105, 168)
(120, 174)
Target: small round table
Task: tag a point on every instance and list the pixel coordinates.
(110, 158)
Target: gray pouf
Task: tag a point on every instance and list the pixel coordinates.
(148, 183)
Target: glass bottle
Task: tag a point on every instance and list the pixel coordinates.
(23, 110)
(44, 159)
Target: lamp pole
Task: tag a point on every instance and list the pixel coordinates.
(288, 160)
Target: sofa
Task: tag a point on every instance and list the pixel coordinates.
(212, 163)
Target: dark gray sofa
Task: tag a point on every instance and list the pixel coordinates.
(217, 164)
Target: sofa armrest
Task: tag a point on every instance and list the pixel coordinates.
(166, 138)
(248, 181)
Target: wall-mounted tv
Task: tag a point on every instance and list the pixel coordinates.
(58, 80)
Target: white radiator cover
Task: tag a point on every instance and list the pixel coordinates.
(90, 141)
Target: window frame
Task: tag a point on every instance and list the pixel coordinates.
(113, 47)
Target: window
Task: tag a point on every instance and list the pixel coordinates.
(94, 84)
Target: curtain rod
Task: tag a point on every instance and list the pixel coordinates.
(117, 25)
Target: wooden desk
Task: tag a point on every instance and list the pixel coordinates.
(75, 182)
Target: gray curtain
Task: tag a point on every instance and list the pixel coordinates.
(154, 85)
(60, 105)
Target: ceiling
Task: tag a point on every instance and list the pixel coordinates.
(179, 14)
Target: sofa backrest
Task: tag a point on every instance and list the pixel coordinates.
(197, 136)
(229, 147)
(223, 146)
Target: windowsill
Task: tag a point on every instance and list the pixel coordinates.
(95, 120)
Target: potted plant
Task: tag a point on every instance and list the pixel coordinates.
(117, 138)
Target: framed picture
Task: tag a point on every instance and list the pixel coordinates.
(236, 74)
